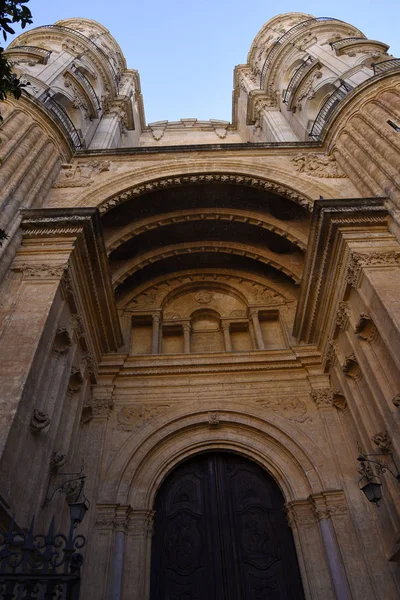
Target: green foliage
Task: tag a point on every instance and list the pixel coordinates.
(11, 11)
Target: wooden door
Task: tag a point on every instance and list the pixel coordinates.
(221, 534)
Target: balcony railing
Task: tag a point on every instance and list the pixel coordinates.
(327, 109)
(84, 81)
(88, 41)
(284, 38)
(386, 65)
(61, 116)
(33, 50)
(340, 43)
(297, 76)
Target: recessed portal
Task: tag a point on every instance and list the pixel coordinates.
(221, 534)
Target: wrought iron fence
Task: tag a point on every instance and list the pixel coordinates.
(297, 76)
(40, 566)
(87, 85)
(327, 109)
(88, 41)
(61, 116)
(386, 65)
(284, 38)
(344, 42)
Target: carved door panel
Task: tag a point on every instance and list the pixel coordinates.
(221, 534)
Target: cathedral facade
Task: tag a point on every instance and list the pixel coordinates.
(214, 366)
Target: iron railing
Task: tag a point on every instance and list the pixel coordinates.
(33, 49)
(84, 81)
(88, 41)
(386, 65)
(297, 76)
(344, 42)
(284, 38)
(41, 566)
(62, 117)
(327, 109)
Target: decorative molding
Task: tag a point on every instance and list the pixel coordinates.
(351, 368)
(383, 441)
(317, 165)
(366, 329)
(375, 259)
(236, 179)
(39, 421)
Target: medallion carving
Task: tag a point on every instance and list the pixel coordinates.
(204, 297)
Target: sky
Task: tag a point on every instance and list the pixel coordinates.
(186, 51)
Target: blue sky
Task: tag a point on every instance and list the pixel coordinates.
(185, 51)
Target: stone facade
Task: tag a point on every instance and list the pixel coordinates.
(175, 288)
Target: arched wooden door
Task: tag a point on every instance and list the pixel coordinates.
(221, 534)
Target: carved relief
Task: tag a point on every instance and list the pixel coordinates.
(383, 441)
(40, 271)
(266, 296)
(342, 315)
(330, 351)
(101, 407)
(396, 401)
(351, 368)
(366, 328)
(132, 417)
(204, 297)
(327, 397)
(213, 419)
(172, 316)
(57, 460)
(62, 341)
(317, 165)
(39, 421)
(293, 409)
(75, 381)
(215, 177)
(358, 261)
(81, 174)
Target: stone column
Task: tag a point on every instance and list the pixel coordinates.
(117, 559)
(336, 567)
(155, 342)
(227, 336)
(136, 578)
(186, 337)
(311, 554)
(257, 329)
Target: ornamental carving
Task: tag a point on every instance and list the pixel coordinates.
(172, 316)
(81, 174)
(396, 401)
(366, 329)
(383, 441)
(266, 296)
(132, 417)
(342, 315)
(62, 341)
(57, 460)
(213, 419)
(293, 409)
(75, 381)
(374, 259)
(204, 297)
(351, 368)
(97, 407)
(39, 420)
(40, 271)
(327, 397)
(330, 351)
(246, 180)
(317, 165)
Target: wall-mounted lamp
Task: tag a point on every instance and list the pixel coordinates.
(394, 125)
(370, 470)
(72, 485)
